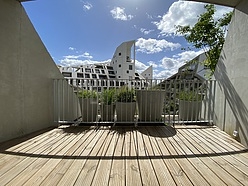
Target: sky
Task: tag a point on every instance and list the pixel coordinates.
(79, 32)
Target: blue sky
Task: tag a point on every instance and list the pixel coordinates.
(77, 32)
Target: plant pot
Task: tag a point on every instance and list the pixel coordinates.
(189, 110)
(150, 105)
(125, 111)
(89, 107)
(107, 112)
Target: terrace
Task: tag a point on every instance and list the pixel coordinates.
(168, 151)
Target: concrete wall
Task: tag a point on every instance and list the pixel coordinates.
(232, 77)
(26, 73)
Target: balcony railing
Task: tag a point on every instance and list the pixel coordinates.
(133, 101)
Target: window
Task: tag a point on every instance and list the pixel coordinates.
(109, 67)
(80, 75)
(120, 66)
(111, 72)
(97, 71)
(119, 54)
(127, 71)
(88, 70)
(130, 67)
(93, 75)
(112, 77)
(87, 76)
(103, 72)
(66, 74)
(103, 77)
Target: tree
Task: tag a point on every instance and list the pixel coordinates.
(207, 34)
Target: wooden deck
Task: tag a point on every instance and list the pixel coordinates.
(161, 155)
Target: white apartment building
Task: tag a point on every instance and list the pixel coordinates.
(120, 71)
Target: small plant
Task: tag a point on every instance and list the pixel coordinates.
(87, 94)
(190, 96)
(108, 96)
(126, 95)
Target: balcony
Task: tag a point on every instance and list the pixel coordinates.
(173, 148)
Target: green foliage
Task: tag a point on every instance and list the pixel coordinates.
(207, 34)
(190, 96)
(108, 96)
(87, 94)
(126, 95)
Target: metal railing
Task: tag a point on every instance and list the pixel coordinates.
(101, 101)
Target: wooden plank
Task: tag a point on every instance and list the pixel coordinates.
(76, 167)
(169, 156)
(90, 167)
(236, 153)
(132, 168)
(58, 172)
(52, 157)
(25, 159)
(117, 174)
(190, 152)
(102, 174)
(146, 169)
(9, 157)
(174, 148)
(222, 160)
(198, 147)
(161, 170)
(230, 145)
(25, 140)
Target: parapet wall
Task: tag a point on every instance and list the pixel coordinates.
(231, 104)
(26, 75)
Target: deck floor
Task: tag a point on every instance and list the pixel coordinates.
(158, 155)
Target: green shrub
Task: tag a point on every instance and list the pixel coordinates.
(126, 95)
(87, 94)
(108, 96)
(190, 96)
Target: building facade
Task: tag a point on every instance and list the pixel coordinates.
(120, 71)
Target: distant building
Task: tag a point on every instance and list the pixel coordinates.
(120, 71)
(194, 69)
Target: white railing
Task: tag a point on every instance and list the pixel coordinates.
(146, 101)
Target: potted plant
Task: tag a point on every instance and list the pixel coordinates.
(107, 104)
(88, 100)
(150, 104)
(190, 104)
(125, 104)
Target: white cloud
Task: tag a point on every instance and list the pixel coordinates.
(140, 67)
(169, 66)
(154, 65)
(78, 62)
(149, 16)
(87, 6)
(72, 48)
(151, 46)
(84, 55)
(184, 13)
(145, 31)
(119, 14)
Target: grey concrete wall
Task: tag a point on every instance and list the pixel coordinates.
(232, 77)
(26, 73)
